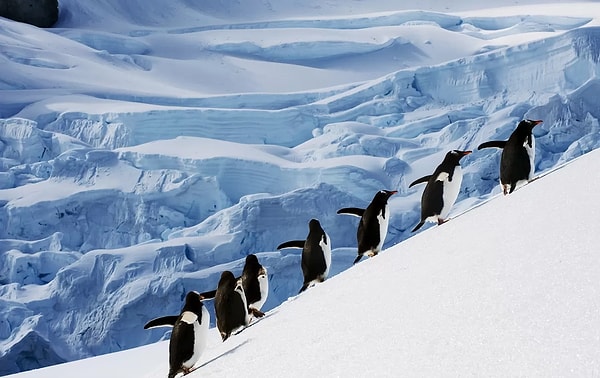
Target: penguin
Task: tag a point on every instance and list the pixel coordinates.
(518, 156)
(256, 285)
(189, 336)
(255, 282)
(231, 308)
(373, 225)
(316, 254)
(442, 189)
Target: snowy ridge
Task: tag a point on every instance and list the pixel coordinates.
(211, 142)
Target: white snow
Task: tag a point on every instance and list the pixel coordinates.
(145, 147)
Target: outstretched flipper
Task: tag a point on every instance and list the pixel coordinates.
(292, 244)
(163, 321)
(421, 223)
(492, 143)
(420, 181)
(357, 212)
(208, 294)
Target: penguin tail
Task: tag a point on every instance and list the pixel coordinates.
(208, 294)
(173, 372)
(357, 259)
(421, 223)
(225, 335)
(304, 287)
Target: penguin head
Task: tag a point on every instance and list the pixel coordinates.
(382, 196)
(314, 224)
(193, 303)
(523, 132)
(227, 281)
(526, 126)
(252, 266)
(454, 156)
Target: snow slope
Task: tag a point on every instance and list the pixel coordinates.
(145, 148)
(507, 289)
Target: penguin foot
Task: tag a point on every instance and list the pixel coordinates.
(187, 371)
(505, 189)
(442, 221)
(371, 253)
(257, 313)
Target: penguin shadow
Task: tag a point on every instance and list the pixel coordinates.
(225, 353)
(254, 321)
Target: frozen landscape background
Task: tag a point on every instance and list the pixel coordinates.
(146, 148)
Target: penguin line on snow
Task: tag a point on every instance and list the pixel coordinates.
(255, 282)
(518, 155)
(189, 336)
(442, 189)
(373, 225)
(231, 308)
(316, 254)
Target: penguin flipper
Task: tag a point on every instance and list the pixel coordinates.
(163, 321)
(208, 294)
(356, 211)
(421, 223)
(492, 143)
(420, 181)
(292, 244)
(357, 259)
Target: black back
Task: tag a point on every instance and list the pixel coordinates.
(367, 234)
(181, 343)
(313, 260)
(514, 163)
(229, 306)
(252, 269)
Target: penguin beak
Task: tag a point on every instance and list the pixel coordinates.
(465, 153)
(537, 122)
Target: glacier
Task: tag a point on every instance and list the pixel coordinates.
(207, 143)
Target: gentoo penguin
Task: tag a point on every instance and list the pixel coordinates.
(441, 190)
(373, 225)
(256, 288)
(188, 339)
(256, 285)
(231, 308)
(518, 156)
(316, 254)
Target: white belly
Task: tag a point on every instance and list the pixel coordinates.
(326, 247)
(531, 153)
(263, 282)
(383, 227)
(451, 189)
(200, 338)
